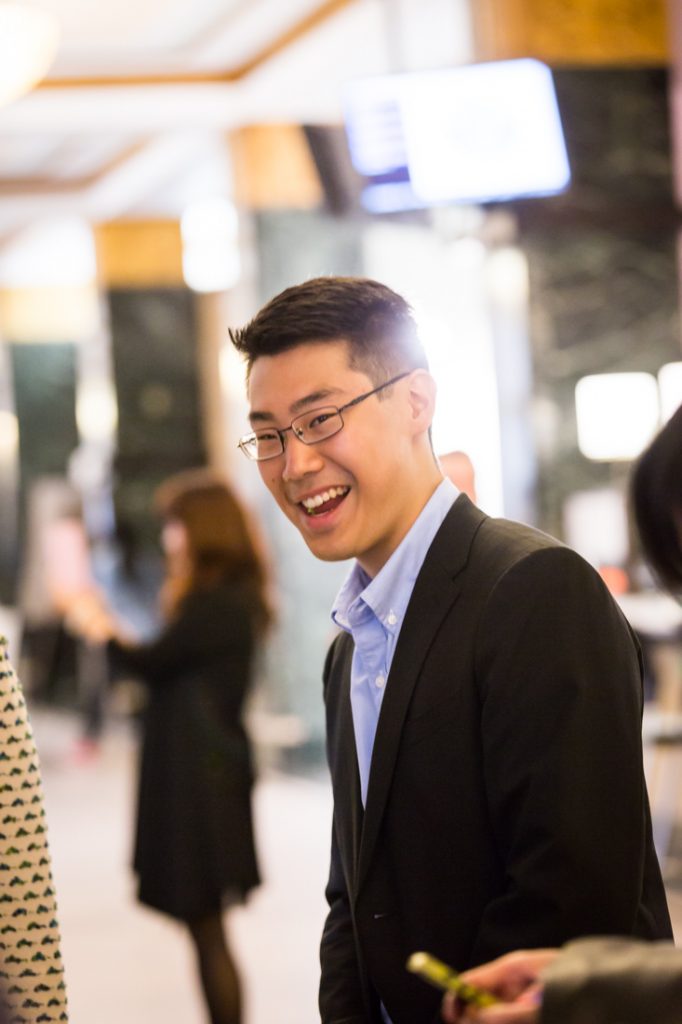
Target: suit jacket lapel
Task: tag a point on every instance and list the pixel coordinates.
(344, 768)
(435, 590)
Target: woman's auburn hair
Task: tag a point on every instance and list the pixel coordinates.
(221, 545)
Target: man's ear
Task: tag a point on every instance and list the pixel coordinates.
(422, 400)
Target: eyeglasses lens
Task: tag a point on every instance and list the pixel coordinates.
(317, 424)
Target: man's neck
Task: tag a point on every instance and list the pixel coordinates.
(375, 561)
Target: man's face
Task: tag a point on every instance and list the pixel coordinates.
(361, 474)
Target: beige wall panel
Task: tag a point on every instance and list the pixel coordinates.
(64, 313)
(210, 310)
(572, 31)
(273, 168)
(139, 254)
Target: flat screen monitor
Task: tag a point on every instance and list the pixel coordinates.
(472, 134)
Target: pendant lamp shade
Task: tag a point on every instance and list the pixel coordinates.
(28, 44)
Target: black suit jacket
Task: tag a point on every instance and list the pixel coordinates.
(506, 804)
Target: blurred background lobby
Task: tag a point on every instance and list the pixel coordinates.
(513, 167)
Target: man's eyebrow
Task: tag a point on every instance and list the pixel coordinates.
(312, 399)
(260, 417)
(308, 401)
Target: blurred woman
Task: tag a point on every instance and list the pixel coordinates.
(194, 849)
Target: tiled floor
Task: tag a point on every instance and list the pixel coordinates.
(127, 964)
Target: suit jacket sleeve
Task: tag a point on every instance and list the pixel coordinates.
(602, 980)
(560, 686)
(341, 999)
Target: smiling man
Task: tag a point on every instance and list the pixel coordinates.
(483, 695)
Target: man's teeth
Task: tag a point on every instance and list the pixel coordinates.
(319, 499)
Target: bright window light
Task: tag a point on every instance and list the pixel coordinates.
(507, 275)
(96, 411)
(670, 388)
(55, 253)
(28, 44)
(444, 283)
(9, 436)
(617, 414)
(210, 245)
(596, 525)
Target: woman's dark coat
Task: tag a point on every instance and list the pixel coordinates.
(194, 845)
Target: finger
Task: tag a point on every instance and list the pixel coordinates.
(454, 1011)
(510, 974)
(448, 1009)
(507, 1013)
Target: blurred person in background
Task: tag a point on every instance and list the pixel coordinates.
(31, 973)
(53, 567)
(608, 980)
(458, 467)
(57, 578)
(194, 850)
(70, 580)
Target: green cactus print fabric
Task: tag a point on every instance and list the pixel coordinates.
(31, 972)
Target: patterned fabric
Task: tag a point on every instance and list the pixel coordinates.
(31, 972)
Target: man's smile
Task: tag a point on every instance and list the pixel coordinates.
(324, 500)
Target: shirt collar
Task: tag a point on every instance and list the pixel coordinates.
(388, 594)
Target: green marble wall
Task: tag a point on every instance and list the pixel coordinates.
(154, 354)
(603, 266)
(44, 381)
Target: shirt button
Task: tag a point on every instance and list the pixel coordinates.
(379, 681)
(391, 620)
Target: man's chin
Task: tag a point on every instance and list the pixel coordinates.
(327, 554)
(325, 543)
(326, 550)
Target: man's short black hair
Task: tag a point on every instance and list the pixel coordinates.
(377, 323)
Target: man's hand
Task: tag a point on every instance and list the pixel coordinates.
(515, 979)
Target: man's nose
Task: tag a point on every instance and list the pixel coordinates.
(300, 459)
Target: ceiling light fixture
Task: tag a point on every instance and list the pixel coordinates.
(28, 43)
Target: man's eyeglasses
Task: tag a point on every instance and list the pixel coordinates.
(310, 427)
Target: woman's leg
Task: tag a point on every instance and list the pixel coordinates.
(219, 977)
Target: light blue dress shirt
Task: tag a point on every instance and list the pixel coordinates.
(372, 611)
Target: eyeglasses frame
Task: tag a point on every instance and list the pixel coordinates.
(281, 431)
